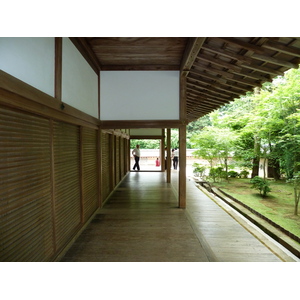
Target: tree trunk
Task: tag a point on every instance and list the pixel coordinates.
(297, 197)
(255, 167)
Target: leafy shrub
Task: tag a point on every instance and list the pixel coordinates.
(198, 170)
(260, 184)
(233, 174)
(244, 174)
(217, 172)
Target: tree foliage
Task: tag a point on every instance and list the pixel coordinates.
(266, 127)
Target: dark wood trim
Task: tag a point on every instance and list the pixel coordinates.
(146, 137)
(192, 49)
(117, 124)
(58, 69)
(84, 48)
(154, 67)
(289, 50)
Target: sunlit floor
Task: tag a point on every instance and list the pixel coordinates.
(141, 222)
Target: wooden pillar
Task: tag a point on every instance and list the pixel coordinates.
(128, 155)
(162, 151)
(168, 155)
(182, 144)
(99, 162)
(58, 68)
(182, 166)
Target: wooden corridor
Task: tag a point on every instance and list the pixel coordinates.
(142, 223)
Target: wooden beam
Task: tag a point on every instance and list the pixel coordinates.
(209, 76)
(84, 48)
(216, 90)
(207, 95)
(289, 50)
(274, 61)
(58, 69)
(243, 45)
(217, 86)
(191, 51)
(139, 67)
(219, 62)
(118, 124)
(200, 89)
(243, 61)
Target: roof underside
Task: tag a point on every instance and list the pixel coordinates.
(218, 70)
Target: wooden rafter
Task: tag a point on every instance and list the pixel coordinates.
(193, 47)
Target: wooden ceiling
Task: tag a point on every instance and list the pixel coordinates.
(217, 69)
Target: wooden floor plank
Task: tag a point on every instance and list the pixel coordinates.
(141, 222)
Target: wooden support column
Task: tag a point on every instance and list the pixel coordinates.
(168, 155)
(128, 155)
(99, 162)
(182, 144)
(58, 68)
(182, 166)
(162, 151)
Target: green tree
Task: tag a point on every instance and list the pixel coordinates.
(215, 145)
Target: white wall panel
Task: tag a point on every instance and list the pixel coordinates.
(30, 59)
(139, 95)
(79, 81)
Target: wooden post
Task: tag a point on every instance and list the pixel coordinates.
(58, 68)
(99, 161)
(162, 151)
(182, 166)
(168, 155)
(182, 144)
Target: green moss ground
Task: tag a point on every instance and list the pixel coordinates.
(278, 206)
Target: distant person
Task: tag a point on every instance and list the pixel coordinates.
(136, 154)
(175, 158)
(172, 157)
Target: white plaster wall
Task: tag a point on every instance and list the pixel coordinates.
(139, 95)
(30, 59)
(79, 81)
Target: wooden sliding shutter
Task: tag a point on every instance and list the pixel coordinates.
(26, 232)
(89, 172)
(67, 191)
